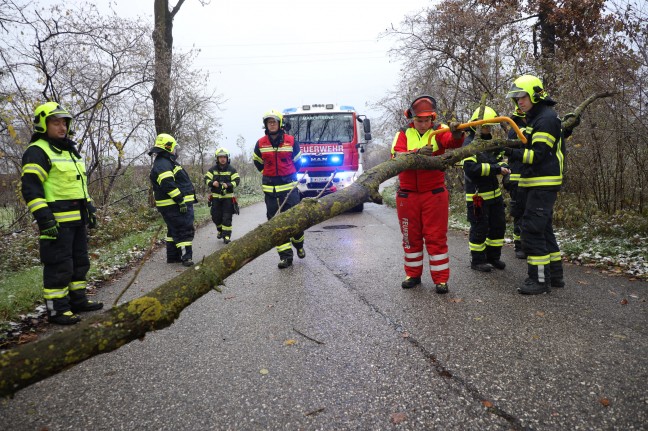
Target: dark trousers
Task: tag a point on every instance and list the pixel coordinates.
(273, 201)
(538, 239)
(65, 260)
(487, 228)
(222, 210)
(180, 231)
(518, 200)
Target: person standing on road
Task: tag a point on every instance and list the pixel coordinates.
(55, 188)
(510, 183)
(540, 179)
(221, 179)
(422, 199)
(484, 201)
(174, 198)
(278, 157)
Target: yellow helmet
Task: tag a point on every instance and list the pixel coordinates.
(528, 84)
(489, 113)
(222, 152)
(273, 114)
(47, 110)
(165, 142)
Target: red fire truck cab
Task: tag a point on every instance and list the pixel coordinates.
(332, 143)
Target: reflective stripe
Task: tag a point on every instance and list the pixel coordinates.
(33, 168)
(485, 195)
(541, 274)
(413, 255)
(540, 181)
(414, 264)
(495, 242)
(485, 169)
(63, 217)
(164, 175)
(183, 244)
(283, 247)
(60, 292)
(544, 137)
(439, 267)
(278, 188)
(298, 239)
(538, 260)
(514, 177)
(257, 158)
(555, 256)
(438, 257)
(175, 192)
(36, 204)
(527, 157)
(189, 199)
(164, 203)
(77, 285)
(477, 247)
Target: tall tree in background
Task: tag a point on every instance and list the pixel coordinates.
(163, 44)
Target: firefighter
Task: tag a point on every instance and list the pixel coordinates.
(221, 179)
(174, 198)
(278, 157)
(484, 201)
(540, 179)
(517, 195)
(422, 199)
(55, 188)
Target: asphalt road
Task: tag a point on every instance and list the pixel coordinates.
(334, 343)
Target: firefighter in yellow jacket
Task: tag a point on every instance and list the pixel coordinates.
(55, 188)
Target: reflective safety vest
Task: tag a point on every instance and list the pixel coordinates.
(420, 180)
(65, 181)
(277, 161)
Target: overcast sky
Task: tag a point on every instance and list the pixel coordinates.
(275, 55)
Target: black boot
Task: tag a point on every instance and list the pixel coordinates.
(220, 235)
(285, 263)
(410, 282)
(441, 288)
(87, 306)
(556, 270)
(533, 287)
(187, 255)
(497, 263)
(226, 240)
(65, 318)
(482, 267)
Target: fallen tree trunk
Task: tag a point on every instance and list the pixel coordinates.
(108, 331)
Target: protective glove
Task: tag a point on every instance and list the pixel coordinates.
(508, 151)
(454, 129)
(92, 220)
(183, 208)
(50, 231)
(425, 150)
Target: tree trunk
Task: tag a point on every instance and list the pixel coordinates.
(163, 44)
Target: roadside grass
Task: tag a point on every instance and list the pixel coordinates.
(121, 240)
(616, 244)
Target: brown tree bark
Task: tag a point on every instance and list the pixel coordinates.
(163, 44)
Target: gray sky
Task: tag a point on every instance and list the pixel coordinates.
(275, 55)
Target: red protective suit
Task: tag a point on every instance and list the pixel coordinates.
(422, 205)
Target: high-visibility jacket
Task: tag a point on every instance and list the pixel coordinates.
(480, 174)
(54, 182)
(278, 159)
(171, 183)
(409, 139)
(223, 174)
(542, 157)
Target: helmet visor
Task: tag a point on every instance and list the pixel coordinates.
(516, 94)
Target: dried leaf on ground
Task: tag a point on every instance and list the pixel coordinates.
(605, 402)
(290, 342)
(398, 417)
(455, 300)
(624, 301)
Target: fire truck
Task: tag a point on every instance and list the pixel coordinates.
(332, 146)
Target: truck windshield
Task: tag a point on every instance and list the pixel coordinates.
(313, 128)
